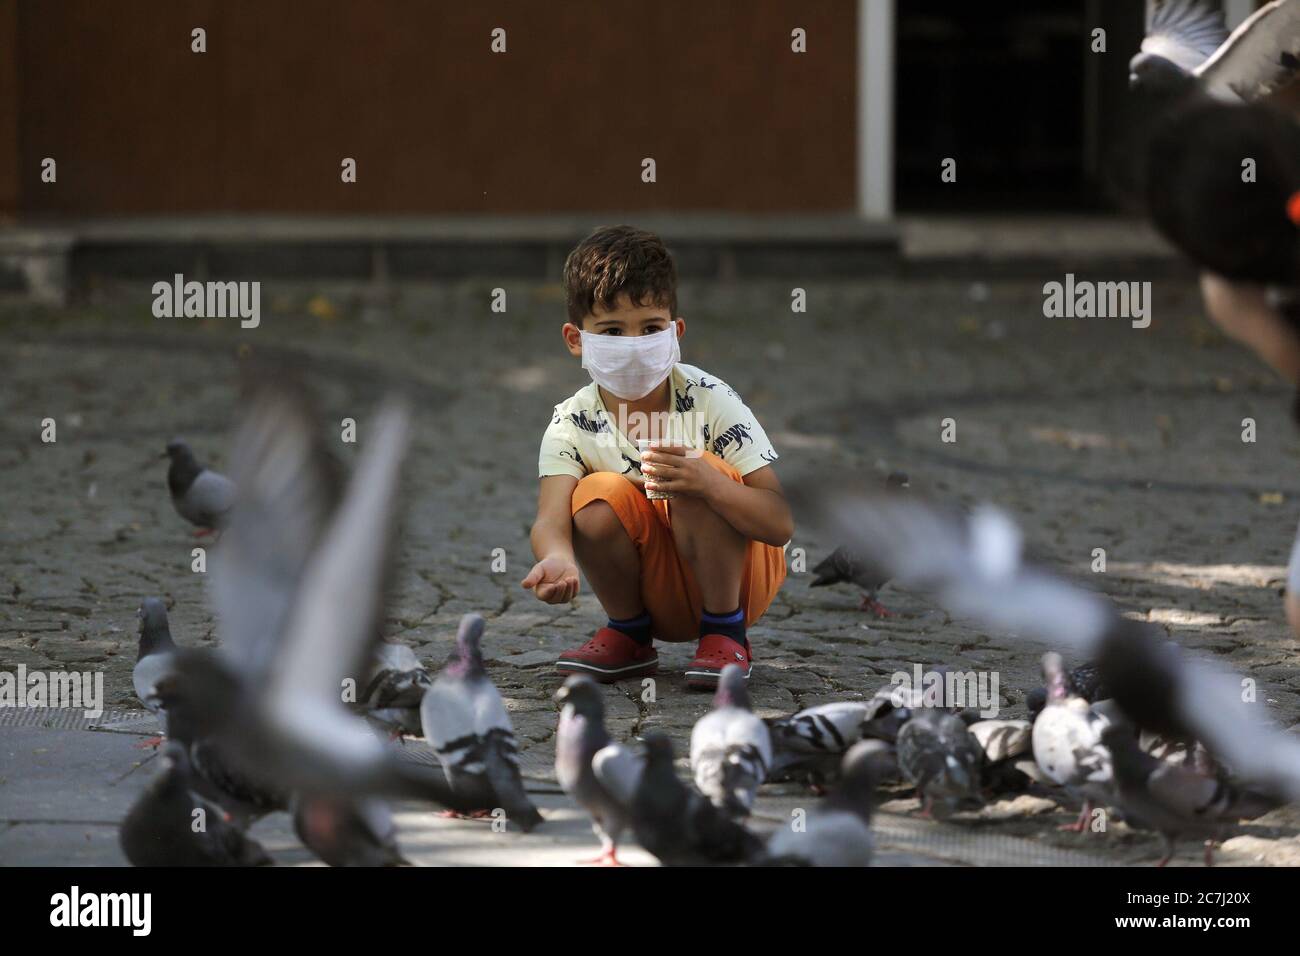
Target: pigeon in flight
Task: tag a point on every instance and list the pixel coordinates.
(1187, 50)
(1175, 800)
(677, 825)
(298, 586)
(466, 723)
(172, 824)
(347, 832)
(844, 565)
(731, 747)
(200, 495)
(838, 833)
(580, 737)
(156, 658)
(939, 757)
(973, 565)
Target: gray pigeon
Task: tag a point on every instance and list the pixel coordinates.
(1174, 800)
(845, 565)
(201, 496)
(973, 565)
(838, 833)
(1187, 49)
(394, 689)
(677, 825)
(156, 659)
(346, 832)
(1067, 743)
(165, 828)
(579, 739)
(938, 756)
(809, 746)
(466, 723)
(731, 748)
(298, 586)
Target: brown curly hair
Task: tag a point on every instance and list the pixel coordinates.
(615, 260)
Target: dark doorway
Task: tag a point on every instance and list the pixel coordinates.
(1015, 95)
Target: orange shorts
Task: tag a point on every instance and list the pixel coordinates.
(668, 587)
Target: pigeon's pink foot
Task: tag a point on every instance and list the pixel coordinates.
(204, 532)
(150, 742)
(608, 858)
(1209, 853)
(457, 815)
(925, 813)
(1081, 822)
(875, 607)
(817, 789)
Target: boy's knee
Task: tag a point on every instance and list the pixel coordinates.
(597, 521)
(603, 485)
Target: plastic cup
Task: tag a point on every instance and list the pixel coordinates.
(644, 444)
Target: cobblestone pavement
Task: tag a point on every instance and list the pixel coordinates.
(1095, 434)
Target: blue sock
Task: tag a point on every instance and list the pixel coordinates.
(637, 628)
(731, 624)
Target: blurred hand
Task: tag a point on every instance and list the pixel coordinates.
(553, 580)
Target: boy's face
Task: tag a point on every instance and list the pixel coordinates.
(623, 319)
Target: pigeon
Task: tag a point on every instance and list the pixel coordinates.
(1174, 800)
(156, 658)
(838, 833)
(579, 738)
(1084, 681)
(939, 757)
(1187, 49)
(345, 832)
(1067, 743)
(165, 827)
(1007, 749)
(1243, 230)
(731, 747)
(973, 565)
(200, 495)
(298, 586)
(809, 746)
(845, 565)
(466, 723)
(677, 825)
(394, 688)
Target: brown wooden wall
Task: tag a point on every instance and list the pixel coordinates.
(437, 123)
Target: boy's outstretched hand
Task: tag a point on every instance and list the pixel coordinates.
(553, 580)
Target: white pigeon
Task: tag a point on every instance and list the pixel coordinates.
(1067, 744)
(731, 748)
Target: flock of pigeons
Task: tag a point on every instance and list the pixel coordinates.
(298, 707)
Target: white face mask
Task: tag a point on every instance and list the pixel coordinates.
(630, 366)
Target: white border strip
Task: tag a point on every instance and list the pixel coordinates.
(875, 133)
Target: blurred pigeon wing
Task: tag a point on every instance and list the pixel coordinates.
(1237, 733)
(1261, 56)
(285, 495)
(332, 629)
(619, 772)
(1185, 32)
